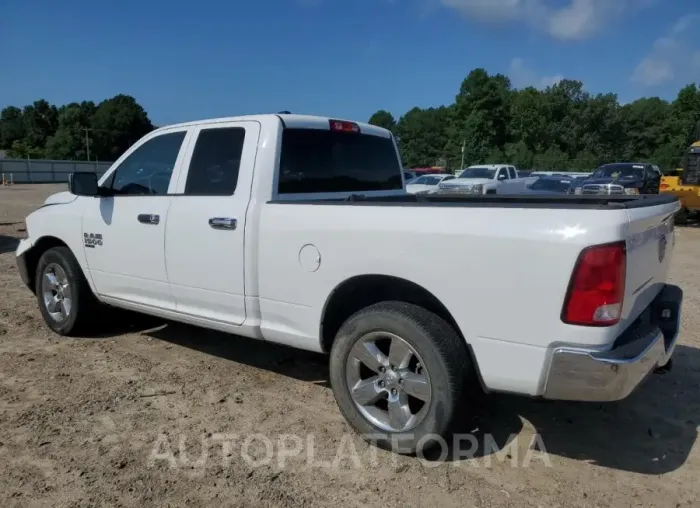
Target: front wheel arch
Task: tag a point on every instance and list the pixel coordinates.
(33, 255)
(69, 284)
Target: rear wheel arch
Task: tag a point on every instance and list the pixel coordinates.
(400, 375)
(362, 291)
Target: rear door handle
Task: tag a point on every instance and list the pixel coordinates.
(223, 223)
(148, 218)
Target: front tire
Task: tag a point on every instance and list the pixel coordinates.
(64, 296)
(399, 374)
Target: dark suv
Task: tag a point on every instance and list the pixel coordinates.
(621, 178)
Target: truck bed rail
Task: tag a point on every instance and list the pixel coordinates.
(597, 202)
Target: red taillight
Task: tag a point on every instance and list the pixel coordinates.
(664, 186)
(597, 287)
(342, 126)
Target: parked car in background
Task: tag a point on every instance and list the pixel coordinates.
(551, 185)
(483, 179)
(560, 173)
(426, 183)
(622, 178)
(409, 175)
(542, 185)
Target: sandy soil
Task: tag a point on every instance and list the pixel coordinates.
(136, 417)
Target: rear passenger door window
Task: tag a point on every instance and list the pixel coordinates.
(215, 163)
(511, 172)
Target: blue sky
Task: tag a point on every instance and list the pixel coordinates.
(184, 59)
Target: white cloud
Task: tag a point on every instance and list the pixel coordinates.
(570, 20)
(674, 56)
(522, 76)
(685, 23)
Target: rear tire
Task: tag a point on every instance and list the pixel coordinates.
(426, 391)
(65, 299)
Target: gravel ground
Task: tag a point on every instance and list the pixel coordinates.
(137, 416)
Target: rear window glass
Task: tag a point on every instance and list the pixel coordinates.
(314, 161)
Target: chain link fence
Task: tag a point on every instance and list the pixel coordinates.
(46, 171)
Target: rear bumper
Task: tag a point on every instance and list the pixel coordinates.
(602, 376)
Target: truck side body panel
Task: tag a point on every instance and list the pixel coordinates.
(508, 272)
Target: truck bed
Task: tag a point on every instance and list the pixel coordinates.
(496, 200)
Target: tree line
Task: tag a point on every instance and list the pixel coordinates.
(75, 131)
(562, 127)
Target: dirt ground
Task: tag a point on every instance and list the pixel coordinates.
(142, 414)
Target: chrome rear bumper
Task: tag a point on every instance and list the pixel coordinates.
(602, 376)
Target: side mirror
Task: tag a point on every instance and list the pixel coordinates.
(83, 184)
(502, 176)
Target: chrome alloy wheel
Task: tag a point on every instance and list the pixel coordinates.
(388, 381)
(56, 292)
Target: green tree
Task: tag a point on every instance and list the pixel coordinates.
(11, 127)
(43, 130)
(646, 128)
(685, 112)
(383, 119)
(117, 124)
(519, 154)
(20, 149)
(70, 140)
(561, 127)
(421, 136)
(40, 122)
(481, 116)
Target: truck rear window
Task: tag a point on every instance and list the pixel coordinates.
(315, 161)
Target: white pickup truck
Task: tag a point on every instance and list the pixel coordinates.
(298, 230)
(481, 179)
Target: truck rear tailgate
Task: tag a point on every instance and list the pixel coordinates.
(650, 240)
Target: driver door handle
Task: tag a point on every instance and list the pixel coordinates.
(223, 223)
(148, 218)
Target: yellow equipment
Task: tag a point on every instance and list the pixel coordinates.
(685, 183)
